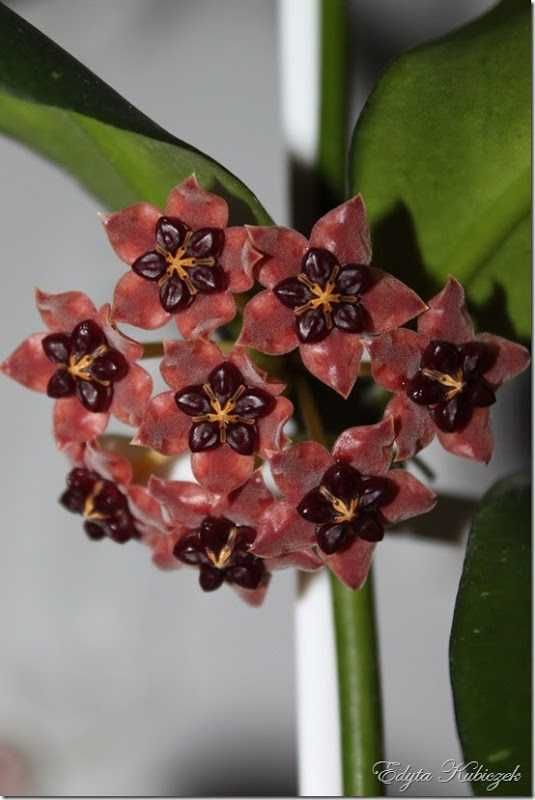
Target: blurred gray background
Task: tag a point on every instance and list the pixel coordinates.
(116, 678)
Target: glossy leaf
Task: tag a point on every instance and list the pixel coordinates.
(56, 106)
(490, 649)
(442, 154)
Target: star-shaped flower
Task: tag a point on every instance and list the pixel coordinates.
(184, 261)
(323, 296)
(83, 362)
(339, 503)
(445, 378)
(221, 408)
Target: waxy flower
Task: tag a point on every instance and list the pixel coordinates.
(221, 408)
(185, 262)
(323, 296)
(100, 489)
(445, 378)
(83, 362)
(339, 503)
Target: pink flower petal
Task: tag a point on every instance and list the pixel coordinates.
(281, 530)
(132, 231)
(511, 358)
(268, 326)
(247, 504)
(239, 259)
(111, 466)
(334, 361)
(137, 302)
(162, 547)
(368, 448)
(448, 317)
(474, 442)
(61, 312)
(28, 364)
(299, 469)
(412, 498)
(130, 349)
(146, 509)
(413, 426)
(206, 313)
(195, 206)
(395, 356)
(221, 470)
(304, 560)
(72, 423)
(390, 303)
(271, 428)
(188, 363)
(352, 565)
(131, 395)
(344, 231)
(164, 427)
(184, 503)
(253, 597)
(283, 250)
(252, 374)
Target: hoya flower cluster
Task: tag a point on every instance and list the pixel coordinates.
(323, 296)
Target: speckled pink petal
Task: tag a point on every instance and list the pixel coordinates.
(195, 206)
(412, 497)
(368, 448)
(253, 597)
(131, 395)
(247, 504)
(239, 259)
(511, 358)
(268, 326)
(304, 560)
(207, 313)
(137, 302)
(395, 356)
(474, 442)
(28, 364)
(132, 231)
(164, 427)
(281, 530)
(334, 361)
(344, 231)
(72, 423)
(448, 317)
(162, 546)
(61, 312)
(184, 503)
(253, 375)
(353, 565)
(221, 470)
(188, 363)
(271, 428)
(413, 426)
(145, 508)
(130, 349)
(390, 303)
(299, 469)
(282, 250)
(111, 466)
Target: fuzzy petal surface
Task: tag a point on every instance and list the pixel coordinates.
(345, 232)
(162, 547)
(195, 206)
(368, 448)
(352, 566)
(145, 509)
(390, 303)
(72, 423)
(61, 312)
(132, 231)
(28, 364)
(207, 313)
(253, 375)
(239, 259)
(395, 356)
(299, 469)
(221, 470)
(511, 358)
(111, 466)
(334, 361)
(412, 497)
(474, 442)
(282, 530)
(413, 426)
(131, 395)
(271, 428)
(282, 250)
(247, 504)
(130, 349)
(304, 560)
(164, 427)
(137, 302)
(188, 363)
(268, 326)
(448, 317)
(184, 503)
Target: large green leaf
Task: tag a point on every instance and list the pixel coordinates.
(56, 106)
(490, 649)
(442, 154)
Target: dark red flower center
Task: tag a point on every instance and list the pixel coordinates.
(88, 366)
(451, 382)
(326, 295)
(345, 506)
(184, 263)
(102, 504)
(224, 410)
(221, 550)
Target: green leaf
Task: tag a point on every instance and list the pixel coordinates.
(56, 106)
(490, 648)
(442, 154)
